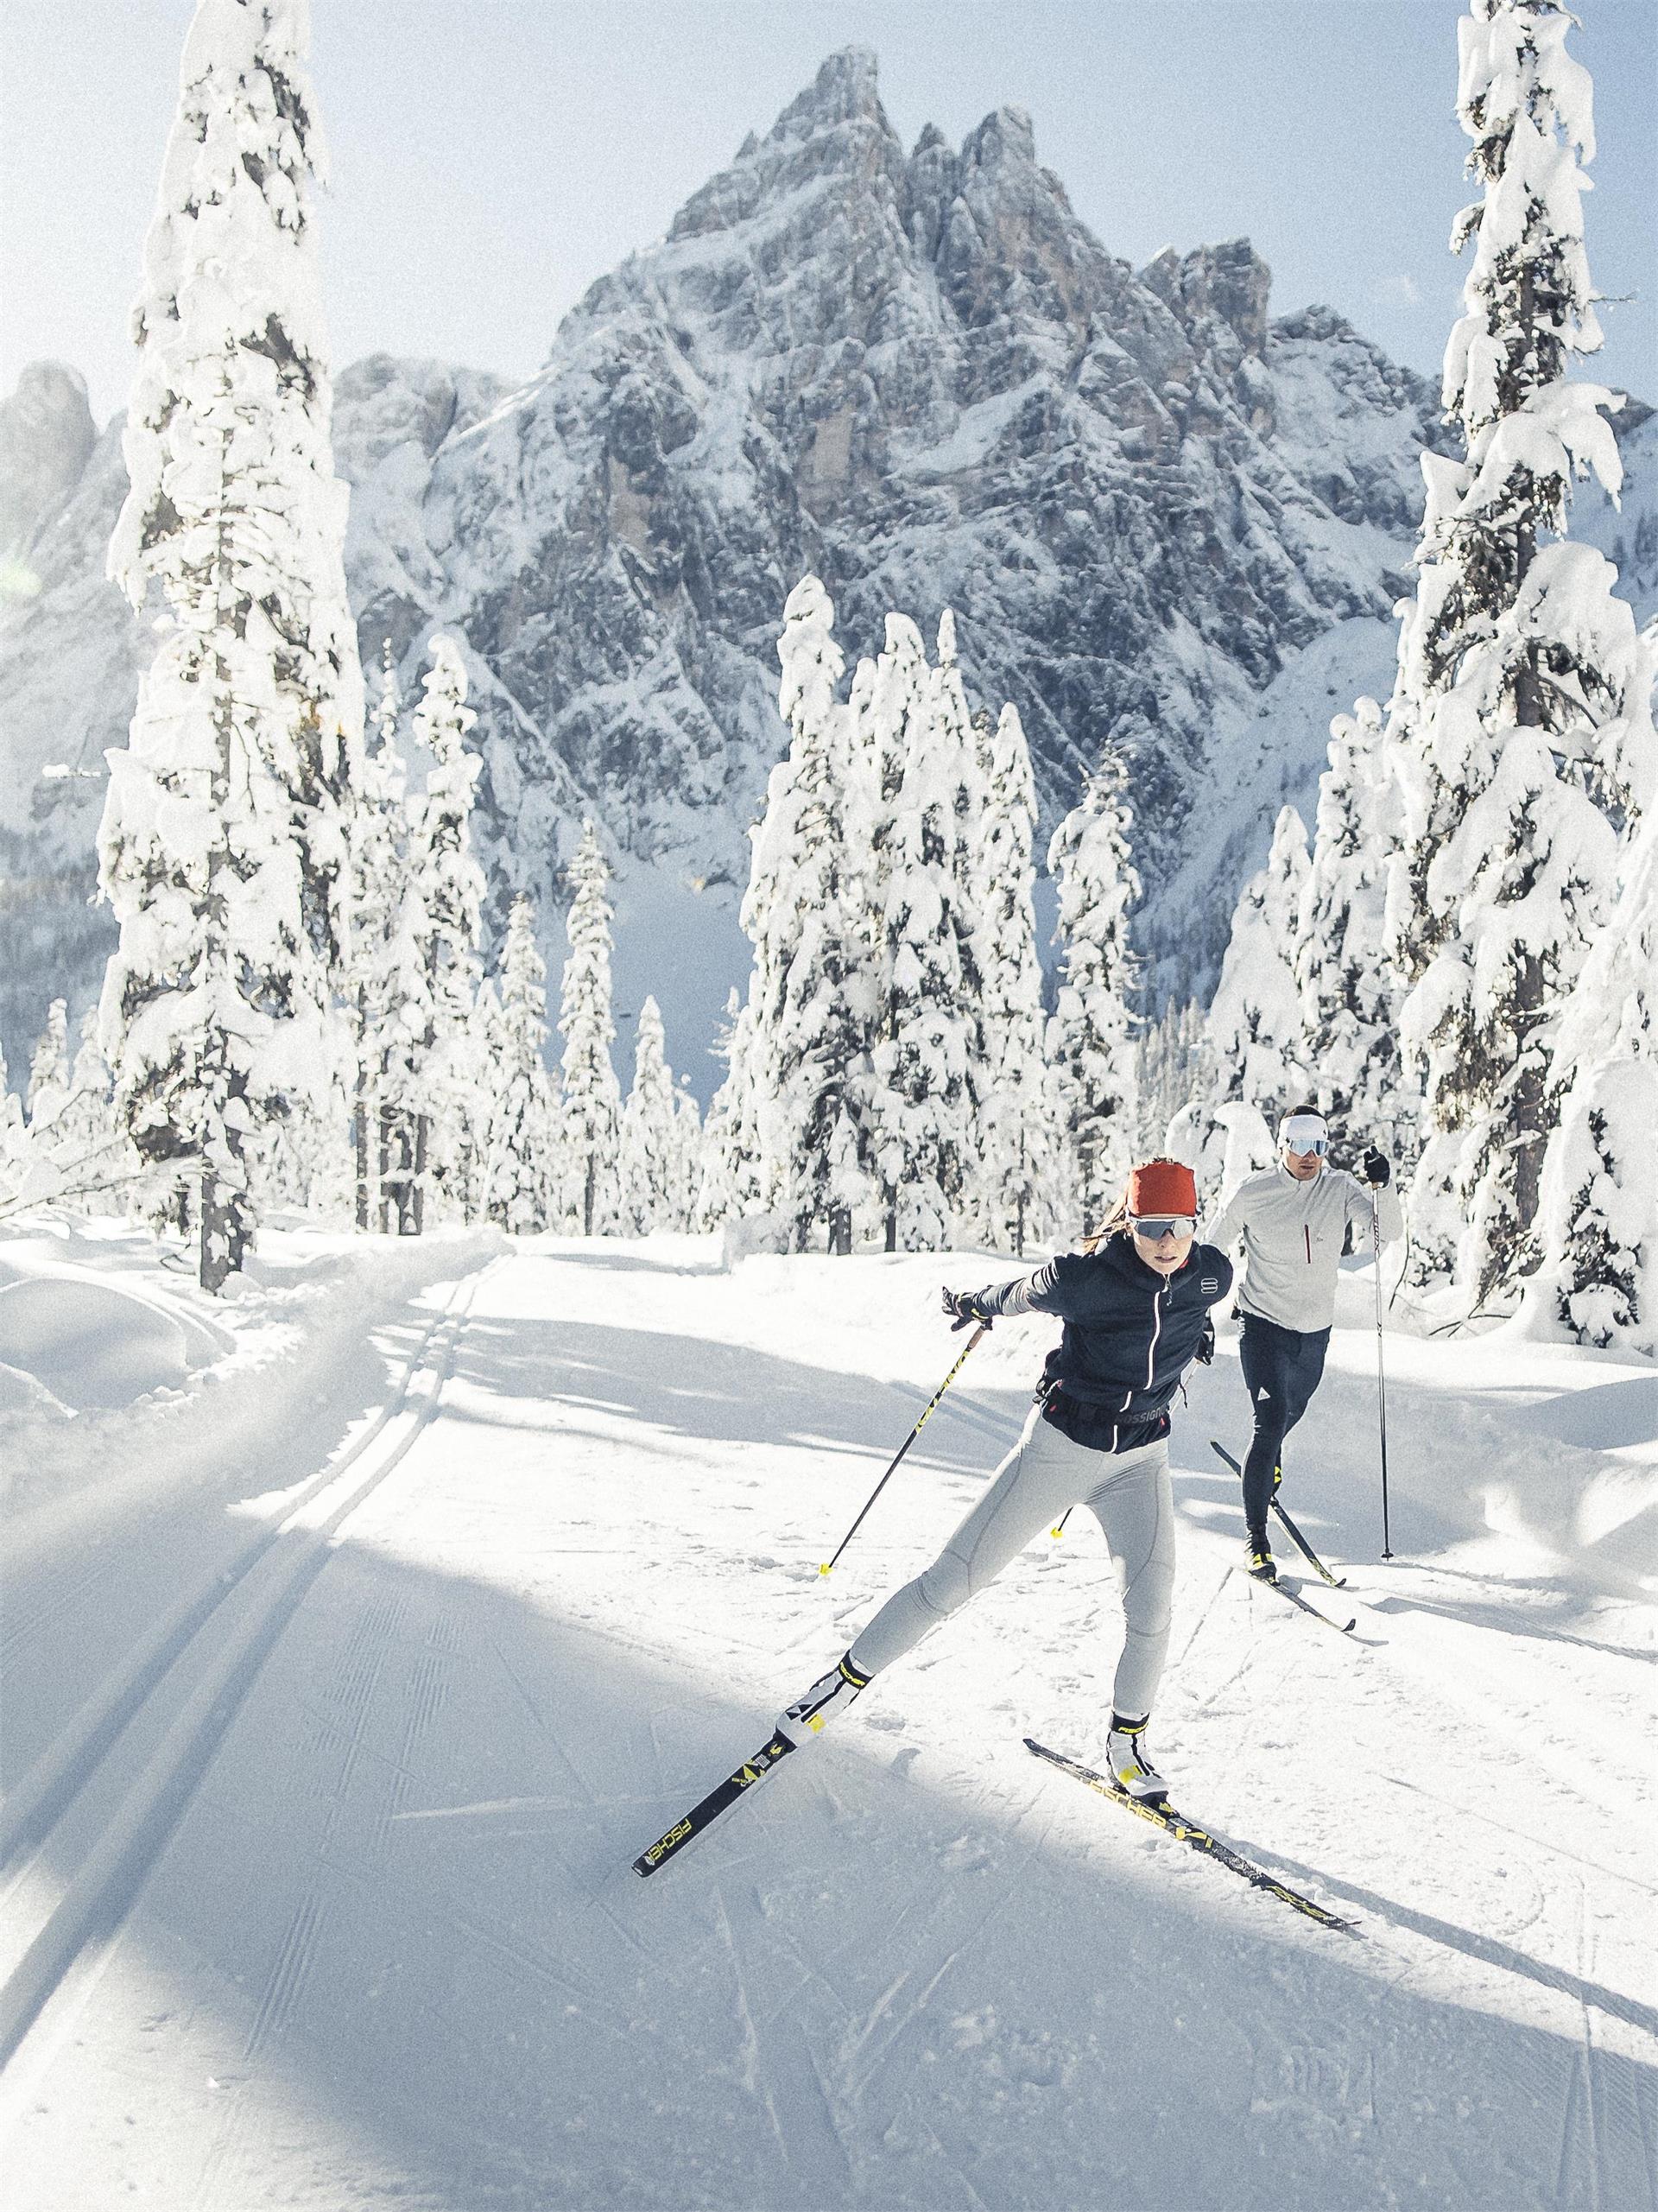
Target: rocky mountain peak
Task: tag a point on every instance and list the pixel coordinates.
(47, 436)
(846, 89)
(1006, 138)
(1214, 288)
(1165, 525)
(835, 137)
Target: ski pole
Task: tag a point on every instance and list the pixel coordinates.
(1380, 1376)
(982, 1329)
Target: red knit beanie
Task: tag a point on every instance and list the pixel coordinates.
(1161, 1187)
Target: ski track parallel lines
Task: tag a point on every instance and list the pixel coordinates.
(288, 1976)
(101, 1891)
(41, 1796)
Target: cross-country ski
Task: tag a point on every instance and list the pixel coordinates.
(707, 1809)
(811, 974)
(1163, 1814)
(1324, 1575)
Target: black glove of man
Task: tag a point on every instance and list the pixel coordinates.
(1377, 1167)
(1204, 1354)
(964, 1309)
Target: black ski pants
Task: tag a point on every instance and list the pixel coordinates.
(1282, 1369)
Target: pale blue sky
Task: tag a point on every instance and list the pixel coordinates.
(492, 157)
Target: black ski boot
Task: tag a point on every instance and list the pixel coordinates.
(1257, 1556)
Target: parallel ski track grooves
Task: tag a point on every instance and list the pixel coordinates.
(40, 1799)
(94, 1900)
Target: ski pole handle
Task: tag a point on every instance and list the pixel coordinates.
(982, 1330)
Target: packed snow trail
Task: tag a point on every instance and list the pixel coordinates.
(394, 1943)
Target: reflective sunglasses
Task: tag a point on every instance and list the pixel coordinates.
(1301, 1147)
(1154, 1225)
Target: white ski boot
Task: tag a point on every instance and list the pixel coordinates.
(830, 1693)
(1126, 1761)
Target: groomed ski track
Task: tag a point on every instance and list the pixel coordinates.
(336, 1851)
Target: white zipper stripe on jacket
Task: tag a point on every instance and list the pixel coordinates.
(1151, 1357)
(1157, 1331)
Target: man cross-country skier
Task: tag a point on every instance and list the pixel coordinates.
(1293, 1220)
(1135, 1302)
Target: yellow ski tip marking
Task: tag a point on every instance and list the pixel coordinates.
(1056, 1533)
(824, 1569)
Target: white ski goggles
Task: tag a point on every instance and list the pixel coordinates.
(1303, 1134)
(1152, 1226)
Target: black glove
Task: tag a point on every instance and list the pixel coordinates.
(1204, 1354)
(1378, 1169)
(964, 1308)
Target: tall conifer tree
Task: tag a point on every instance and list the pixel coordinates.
(525, 1169)
(921, 1107)
(1014, 1193)
(445, 887)
(592, 1110)
(812, 994)
(647, 1146)
(1506, 733)
(222, 847)
(1349, 1000)
(1090, 1036)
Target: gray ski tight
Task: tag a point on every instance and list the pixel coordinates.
(1127, 1493)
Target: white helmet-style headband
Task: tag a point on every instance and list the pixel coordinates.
(1300, 1132)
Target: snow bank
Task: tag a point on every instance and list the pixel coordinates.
(116, 1367)
(88, 1344)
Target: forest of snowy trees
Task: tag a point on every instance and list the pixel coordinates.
(1462, 964)
(1458, 963)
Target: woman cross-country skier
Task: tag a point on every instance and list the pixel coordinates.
(1135, 1302)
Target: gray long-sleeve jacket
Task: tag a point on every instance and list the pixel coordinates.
(1292, 1234)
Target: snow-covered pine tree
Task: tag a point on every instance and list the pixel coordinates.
(646, 1147)
(1512, 707)
(1254, 1033)
(811, 993)
(963, 749)
(1014, 1185)
(920, 1116)
(1598, 1216)
(48, 1073)
(1170, 1071)
(221, 849)
(90, 1155)
(685, 1164)
(1597, 1221)
(13, 1138)
(446, 886)
(477, 1066)
(1090, 1034)
(1349, 1017)
(380, 960)
(726, 1172)
(523, 1163)
(593, 1101)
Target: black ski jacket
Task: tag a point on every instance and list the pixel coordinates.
(1129, 1335)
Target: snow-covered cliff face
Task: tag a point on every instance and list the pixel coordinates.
(1161, 516)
